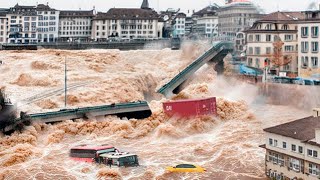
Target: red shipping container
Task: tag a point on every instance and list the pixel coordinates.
(188, 108)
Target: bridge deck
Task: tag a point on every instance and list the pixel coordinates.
(216, 53)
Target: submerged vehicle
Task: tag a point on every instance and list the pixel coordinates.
(193, 107)
(118, 159)
(175, 43)
(185, 168)
(88, 153)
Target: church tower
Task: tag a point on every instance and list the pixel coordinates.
(145, 4)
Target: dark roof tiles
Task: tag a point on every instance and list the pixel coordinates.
(128, 14)
(302, 129)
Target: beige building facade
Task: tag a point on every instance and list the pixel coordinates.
(292, 150)
(266, 34)
(309, 39)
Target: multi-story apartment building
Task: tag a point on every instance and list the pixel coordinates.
(206, 21)
(75, 25)
(292, 149)
(22, 24)
(264, 37)
(48, 23)
(237, 16)
(180, 25)
(308, 43)
(3, 25)
(127, 23)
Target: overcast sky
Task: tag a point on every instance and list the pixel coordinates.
(104, 5)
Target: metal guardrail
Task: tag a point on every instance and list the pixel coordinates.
(81, 112)
(217, 47)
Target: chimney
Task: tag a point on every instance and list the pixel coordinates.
(317, 134)
(316, 112)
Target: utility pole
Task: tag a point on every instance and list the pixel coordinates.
(65, 82)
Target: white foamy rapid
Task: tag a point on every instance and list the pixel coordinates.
(226, 145)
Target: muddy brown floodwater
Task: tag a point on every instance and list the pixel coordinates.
(226, 145)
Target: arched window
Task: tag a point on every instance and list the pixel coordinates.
(285, 27)
(268, 26)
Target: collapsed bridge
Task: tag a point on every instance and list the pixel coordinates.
(215, 54)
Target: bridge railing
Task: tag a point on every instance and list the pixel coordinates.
(217, 47)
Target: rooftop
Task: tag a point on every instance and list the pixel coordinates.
(76, 13)
(128, 13)
(42, 7)
(283, 16)
(209, 10)
(302, 129)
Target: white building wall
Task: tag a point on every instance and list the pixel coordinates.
(25, 25)
(180, 26)
(210, 23)
(3, 30)
(295, 154)
(74, 28)
(127, 29)
(48, 26)
(309, 70)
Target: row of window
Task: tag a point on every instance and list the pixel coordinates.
(76, 28)
(128, 27)
(46, 12)
(51, 23)
(50, 29)
(75, 33)
(305, 62)
(294, 164)
(45, 18)
(314, 31)
(273, 26)
(294, 148)
(75, 23)
(305, 47)
(287, 37)
(130, 32)
(28, 18)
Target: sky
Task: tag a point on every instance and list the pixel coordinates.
(185, 5)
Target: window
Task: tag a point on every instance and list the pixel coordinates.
(304, 31)
(269, 26)
(275, 141)
(288, 48)
(314, 31)
(309, 152)
(270, 141)
(314, 169)
(314, 61)
(288, 37)
(314, 46)
(284, 145)
(276, 158)
(285, 27)
(250, 38)
(185, 166)
(304, 61)
(300, 149)
(268, 38)
(293, 147)
(257, 38)
(257, 66)
(250, 64)
(257, 50)
(294, 164)
(315, 154)
(26, 18)
(268, 50)
(304, 47)
(250, 50)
